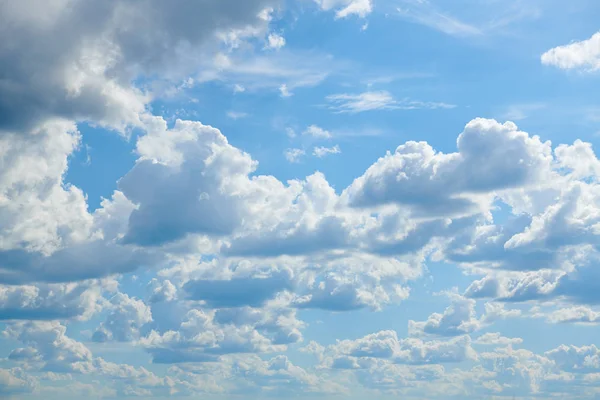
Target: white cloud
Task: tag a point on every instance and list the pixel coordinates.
(380, 100)
(423, 12)
(583, 55)
(275, 41)
(356, 354)
(496, 339)
(294, 155)
(346, 8)
(284, 91)
(322, 151)
(317, 132)
(236, 114)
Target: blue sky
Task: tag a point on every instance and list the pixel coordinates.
(276, 199)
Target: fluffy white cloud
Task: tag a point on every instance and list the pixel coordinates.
(317, 132)
(345, 8)
(275, 41)
(49, 302)
(491, 156)
(356, 354)
(583, 54)
(125, 318)
(200, 339)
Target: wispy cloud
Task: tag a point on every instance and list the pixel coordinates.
(294, 155)
(236, 114)
(377, 100)
(282, 70)
(425, 13)
(488, 16)
(321, 151)
(518, 112)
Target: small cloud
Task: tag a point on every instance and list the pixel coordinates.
(238, 89)
(317, 132)
(377, 100)
(236, 115)
(323, 151)
(290, 132)
(364, 27)
(275, 41)
(294, 155)
(283, 90)
(346, 8)
(518, 112)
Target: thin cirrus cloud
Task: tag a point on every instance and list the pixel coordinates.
(377, 100)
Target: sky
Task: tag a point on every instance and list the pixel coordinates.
(308, 199)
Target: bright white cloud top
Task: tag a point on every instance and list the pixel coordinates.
(264, 199)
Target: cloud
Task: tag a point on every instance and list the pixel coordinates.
(346, 8)
(236, 292)
(491, 156)
(284, 91)
(15, 381)
(316, 132)
(207, 204)
(496, 339)
(84, 68)
(424, 13)
(353, 354)
(460, 318)
(49, 346)
(236, 114)
(275, 41)
(380, 100)
(294, 155)
(187, 345)
(582, 55)
(125, 318)
(367, 101)
(321, 151)
(579, 314)
(50, 302)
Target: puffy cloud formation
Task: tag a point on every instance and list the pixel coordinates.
(82, 56)
(583, 55)
(235, 267)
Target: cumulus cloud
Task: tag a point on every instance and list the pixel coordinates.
(49, 302)
(200, 339)
(317, 132)
(83, 69)
(584, 55)
(460, 318)
(491, 156)
(356, 354)
(125, 318)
